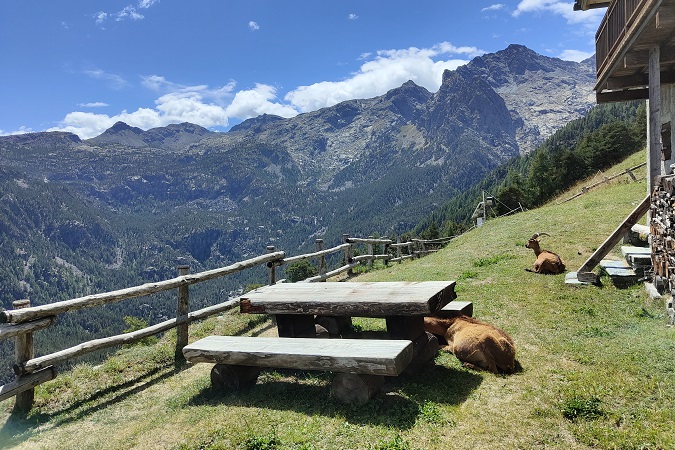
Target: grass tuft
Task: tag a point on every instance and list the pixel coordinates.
(580, 407)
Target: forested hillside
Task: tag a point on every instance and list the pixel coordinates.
(606, 135)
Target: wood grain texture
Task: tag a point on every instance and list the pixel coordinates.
(365, 356)
(370, 299)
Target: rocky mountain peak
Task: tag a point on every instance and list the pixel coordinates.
(540, 92)
(256, 122)
(121, 127)
(173, 137)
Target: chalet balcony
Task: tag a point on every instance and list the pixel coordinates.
(628, 31)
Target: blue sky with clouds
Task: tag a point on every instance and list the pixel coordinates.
(83, 65)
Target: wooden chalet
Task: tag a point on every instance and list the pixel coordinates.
(635, 59)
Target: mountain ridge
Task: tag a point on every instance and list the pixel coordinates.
(362, 166)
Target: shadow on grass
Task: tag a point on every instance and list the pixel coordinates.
(21, 425)
(398, 405)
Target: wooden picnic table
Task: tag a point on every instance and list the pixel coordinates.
(403, 304)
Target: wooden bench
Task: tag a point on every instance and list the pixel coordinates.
(361, 364)
(456, 308)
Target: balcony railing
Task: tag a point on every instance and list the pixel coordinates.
(615, 25)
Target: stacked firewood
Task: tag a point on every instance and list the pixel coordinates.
(663, 232)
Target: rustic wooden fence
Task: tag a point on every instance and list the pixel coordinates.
(21, 322)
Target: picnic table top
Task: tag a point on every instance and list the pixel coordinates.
(360, 299)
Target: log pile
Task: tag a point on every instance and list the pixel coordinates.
(663, 232)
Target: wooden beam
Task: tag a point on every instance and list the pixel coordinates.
(637, 80)
(41, 362)
(654, 125)
(622, 96)
(51, 309)
(616, 236)
(11, 330)
(22, 384)
(640, 59)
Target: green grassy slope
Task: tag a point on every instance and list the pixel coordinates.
(597, 366)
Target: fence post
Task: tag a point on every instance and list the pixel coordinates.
(272, 266)
(348, 254)
(321, 260)
(371, 251)
(24, 351)
(399, 254)
(182, 311)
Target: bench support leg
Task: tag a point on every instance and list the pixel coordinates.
(296, 325)
(425, 345)
(336, 325)
(425, 349)
(355, 388)
(225, 376)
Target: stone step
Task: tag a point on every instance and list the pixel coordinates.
(632, 250)
(621, 273)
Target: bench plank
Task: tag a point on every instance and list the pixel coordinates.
(363, 356)
(457, 308)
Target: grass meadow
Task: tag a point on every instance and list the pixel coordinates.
(598, 367)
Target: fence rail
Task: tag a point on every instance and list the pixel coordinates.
(21, 322)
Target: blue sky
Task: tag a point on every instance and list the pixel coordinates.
(82, 65)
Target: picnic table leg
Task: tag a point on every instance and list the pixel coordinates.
(355, 388)
(226, 376)
(335, 325)
(425, 345)
(296, 325)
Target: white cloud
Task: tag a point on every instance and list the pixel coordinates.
(170, 108)
(160, 84)
(388, 70)
(253, 26)
(591, 17)
(100, 17)
(21, 130)
(176, 103)
(93, 105)
(257, 101)
(353, 16)
(114, 81)
(215, 106)
(145, 4)
(495, 7)
(129, 12)
(575, 55)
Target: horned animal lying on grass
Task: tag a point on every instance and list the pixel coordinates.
(547, 262)
(477, 344)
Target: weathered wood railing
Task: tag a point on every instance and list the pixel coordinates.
(614, 27)
(23, 320)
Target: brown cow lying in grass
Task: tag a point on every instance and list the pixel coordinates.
(477, 344)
